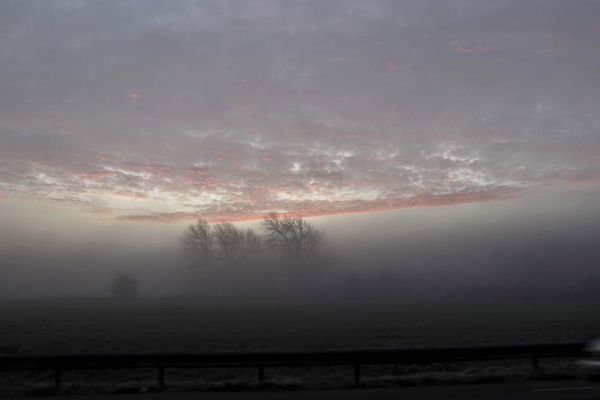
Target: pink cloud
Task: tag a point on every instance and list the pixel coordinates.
(470, 47)
(329, 208)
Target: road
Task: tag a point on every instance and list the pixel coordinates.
(558, 390)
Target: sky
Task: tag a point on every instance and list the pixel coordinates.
(127, 115)
(161, 110)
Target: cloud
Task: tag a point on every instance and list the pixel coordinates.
(466, 46)
(326, 208)
(230, 110)
(164, 217)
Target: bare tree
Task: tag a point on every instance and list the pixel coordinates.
(292, 235)
(220, 243)
(229, 239)
(252, 243)
(198, 242)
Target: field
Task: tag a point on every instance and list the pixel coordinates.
(56, 327)
(97, 326)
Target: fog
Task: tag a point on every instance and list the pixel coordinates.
(444, 149)
(541, 246)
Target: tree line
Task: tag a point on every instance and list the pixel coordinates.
(288, 236)
(224, 251)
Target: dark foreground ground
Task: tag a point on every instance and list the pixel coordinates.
(97, 326)
(571, 390)
(58, 327)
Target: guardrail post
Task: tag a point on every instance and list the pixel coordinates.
(161, 377)
(357, 374)
(57, 379)
(261, 374)
(535, 364)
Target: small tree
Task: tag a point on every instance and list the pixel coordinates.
(222, 243)
(124, 286)
(198, 242)
(229, 239)
(252, 244)
(293, 236)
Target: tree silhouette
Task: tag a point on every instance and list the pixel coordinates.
(252, 243)
(198, 242)
(229, 239)
(222, 243)
(124, 286)
(293, 236)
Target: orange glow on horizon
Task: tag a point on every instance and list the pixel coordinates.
(409, 203)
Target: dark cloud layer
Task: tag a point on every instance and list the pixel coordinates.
(156, 110)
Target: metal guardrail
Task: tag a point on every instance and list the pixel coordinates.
(262, 360)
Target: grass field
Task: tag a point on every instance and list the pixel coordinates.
(55, 327)
(95, 326)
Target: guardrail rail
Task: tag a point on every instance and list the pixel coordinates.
(263, 360)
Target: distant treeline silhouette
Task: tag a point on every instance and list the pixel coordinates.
(289, 236)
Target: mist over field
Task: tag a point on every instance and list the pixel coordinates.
(444, 149)
(540, 247)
